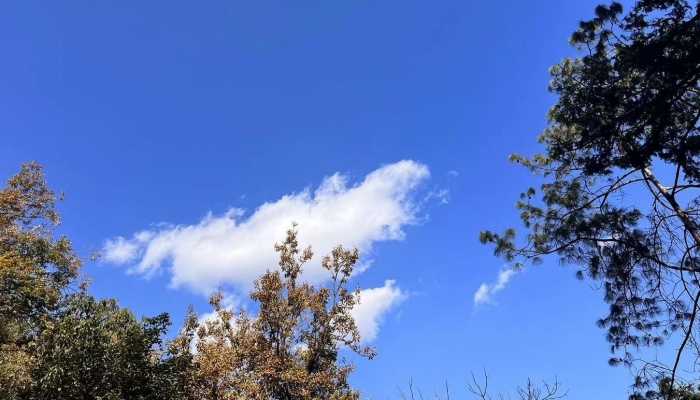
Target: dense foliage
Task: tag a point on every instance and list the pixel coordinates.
(96, 350)
(34, 270)
(621, 173)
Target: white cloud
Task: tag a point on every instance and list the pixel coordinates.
(486, 291)
(121, 251)
(374, 304)
(235, 249)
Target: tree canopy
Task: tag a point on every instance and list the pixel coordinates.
(95, 349)
(621, 173)
(35, 269)
(291, 348)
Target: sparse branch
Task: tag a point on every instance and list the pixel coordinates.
(546, 391)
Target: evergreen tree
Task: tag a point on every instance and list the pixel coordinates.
(621, 174)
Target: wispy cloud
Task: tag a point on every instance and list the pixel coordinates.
(234, 249)
(487, 291)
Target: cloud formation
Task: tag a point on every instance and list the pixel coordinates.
(374, 304)
(486, 291)
(234, 249)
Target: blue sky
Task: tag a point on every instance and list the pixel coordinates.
(152, 115)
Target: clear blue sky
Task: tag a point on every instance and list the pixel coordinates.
(160, 112)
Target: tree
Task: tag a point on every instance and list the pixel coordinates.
(621, 173)
(54, 345)
(531, 391)
(290, 350)
(666, 390)
(479, 389)
(93, 349)
(35, 268)
(57, 345)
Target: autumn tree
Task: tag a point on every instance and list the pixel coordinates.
(620, 178)
(35, 268)
(291, 349)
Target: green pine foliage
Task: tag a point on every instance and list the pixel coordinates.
(621, 170)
